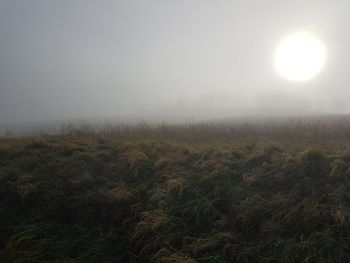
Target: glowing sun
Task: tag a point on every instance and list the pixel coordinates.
(300, 56)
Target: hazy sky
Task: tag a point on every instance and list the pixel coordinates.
(162, 59)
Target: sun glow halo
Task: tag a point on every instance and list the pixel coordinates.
(300, 56)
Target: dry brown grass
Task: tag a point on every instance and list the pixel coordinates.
(106, 199)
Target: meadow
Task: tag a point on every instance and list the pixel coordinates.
(206, 193)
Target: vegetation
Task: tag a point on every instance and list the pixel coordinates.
(99, 197)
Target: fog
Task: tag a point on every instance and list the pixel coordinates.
(162, 60)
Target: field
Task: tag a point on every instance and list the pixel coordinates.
(167, 194)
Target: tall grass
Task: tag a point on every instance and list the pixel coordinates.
(174, 194)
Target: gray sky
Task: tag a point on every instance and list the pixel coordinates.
(164, 60)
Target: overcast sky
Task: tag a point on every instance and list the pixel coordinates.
(164, 60)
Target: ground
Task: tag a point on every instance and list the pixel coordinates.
(87, 198)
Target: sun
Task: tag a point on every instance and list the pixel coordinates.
(300, 56)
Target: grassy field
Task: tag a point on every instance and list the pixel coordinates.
(170, 195)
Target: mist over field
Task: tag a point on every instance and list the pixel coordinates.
(164, 60)
(184, 131)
